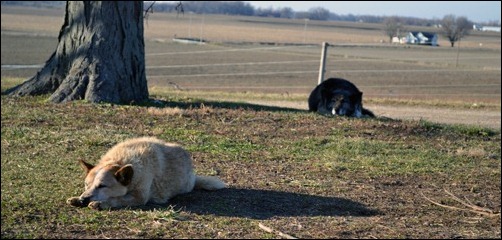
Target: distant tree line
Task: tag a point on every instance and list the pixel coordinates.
(246, 9)
(206, 7)
(315, 13)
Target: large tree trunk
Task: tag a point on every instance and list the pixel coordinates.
(100, 56)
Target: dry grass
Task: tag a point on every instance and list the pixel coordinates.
(38, 21)
(291, 172)
(472, 152)
(176, 111)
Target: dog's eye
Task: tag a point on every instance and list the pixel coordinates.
(101, 186)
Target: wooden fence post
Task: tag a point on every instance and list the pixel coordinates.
(323, 62)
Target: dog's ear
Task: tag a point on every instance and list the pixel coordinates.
(86, 166)
(124, 174)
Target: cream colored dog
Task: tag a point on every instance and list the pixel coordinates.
(138, 171)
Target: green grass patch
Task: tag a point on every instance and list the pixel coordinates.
(272, 158)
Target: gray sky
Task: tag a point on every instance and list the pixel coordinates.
(477, 11)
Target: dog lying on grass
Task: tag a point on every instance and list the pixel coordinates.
(337, 96)
(138, 171)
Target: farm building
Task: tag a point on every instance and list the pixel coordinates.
(486, 28)
(421, 38)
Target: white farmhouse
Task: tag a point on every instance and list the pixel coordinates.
(422, 38)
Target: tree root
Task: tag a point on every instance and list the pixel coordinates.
(270, 230)
(470, 206)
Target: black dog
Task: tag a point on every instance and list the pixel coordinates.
(338, 96)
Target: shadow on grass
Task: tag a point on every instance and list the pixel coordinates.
(265, 204)
(216, 104)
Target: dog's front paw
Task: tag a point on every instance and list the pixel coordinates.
(75, 201)
(96, 205)
(99, 205)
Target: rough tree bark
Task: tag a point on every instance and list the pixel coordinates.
(100, 56)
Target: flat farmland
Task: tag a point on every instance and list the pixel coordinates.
(236, 59)
(294, 69)
(280, 56)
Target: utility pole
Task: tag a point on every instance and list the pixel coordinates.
(323, 62)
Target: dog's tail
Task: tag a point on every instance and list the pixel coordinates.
(208, 183)
(368, 113)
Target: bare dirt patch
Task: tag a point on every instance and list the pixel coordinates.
(474, 117)
(483, 118)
